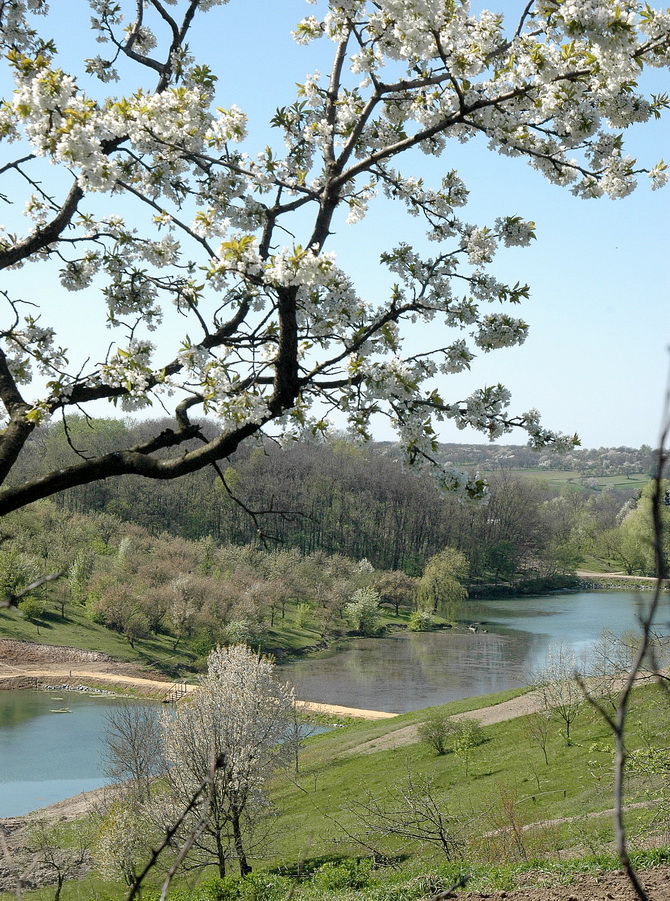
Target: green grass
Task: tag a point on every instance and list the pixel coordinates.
(79, 631)
(506, 769)
(508, 784)
(558, 478)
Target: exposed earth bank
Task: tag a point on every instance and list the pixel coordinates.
(610, 886)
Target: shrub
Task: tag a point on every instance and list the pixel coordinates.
(302, 612)
(420, 621)
(32, 608)
(254, 887)
(436, 732)
(468, 734)
(347, 874)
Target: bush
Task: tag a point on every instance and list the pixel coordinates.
(32, 608)
(420, 621)
(254, 887)
(302, 613)
(436, 732)
(468, 734)
(347, 874)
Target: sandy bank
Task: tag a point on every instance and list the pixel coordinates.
(24, 665)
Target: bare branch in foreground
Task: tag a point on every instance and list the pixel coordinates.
(170, 833)
(617, 720)
(12, 598)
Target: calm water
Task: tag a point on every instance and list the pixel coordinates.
(412, 670)
(45, 756)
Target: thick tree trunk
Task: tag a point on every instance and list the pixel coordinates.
(220, 856)
(245, 868)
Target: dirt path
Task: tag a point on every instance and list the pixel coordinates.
(583, 574)
(487, 716)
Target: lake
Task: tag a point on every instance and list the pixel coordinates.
(47, 756)
(407, 671)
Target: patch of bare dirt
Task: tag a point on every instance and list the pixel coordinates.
(339, 710)
(27, 665)
(610, 886)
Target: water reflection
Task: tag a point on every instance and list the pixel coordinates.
(412, 670)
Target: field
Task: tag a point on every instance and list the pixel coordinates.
(558, 478)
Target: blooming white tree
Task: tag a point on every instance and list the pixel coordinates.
(273, 330)
(236, 728)
(559, 690)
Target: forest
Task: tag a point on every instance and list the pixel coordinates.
(331, 537)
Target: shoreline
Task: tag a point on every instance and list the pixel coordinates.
(75, 680)
(39, 666)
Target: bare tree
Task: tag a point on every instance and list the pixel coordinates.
(63, 852)
(560, 693)
(536, 728)
(411, 813)
(134, 744)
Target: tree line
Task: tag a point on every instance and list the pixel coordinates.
(340, 497)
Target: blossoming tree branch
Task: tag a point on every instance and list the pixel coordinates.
(231, 240)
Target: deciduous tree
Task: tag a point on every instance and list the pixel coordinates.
(362, 611)
(436, 732)
(440, 587)
(559, 690)
(64, 853)
(134, 746)
(240, 718)
(155, 203)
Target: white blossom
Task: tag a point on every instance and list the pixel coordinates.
(235, 241)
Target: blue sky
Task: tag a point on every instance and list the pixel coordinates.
(596, 358)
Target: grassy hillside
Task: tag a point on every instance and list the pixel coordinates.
(507, 785)
(322, 831)
(289, 636)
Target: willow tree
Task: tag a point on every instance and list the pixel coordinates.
(441, 585)
(208, 254)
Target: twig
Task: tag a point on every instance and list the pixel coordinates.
(617, 721)
(11, 599)
(449, 892)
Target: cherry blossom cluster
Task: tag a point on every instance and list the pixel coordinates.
(236, 243)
